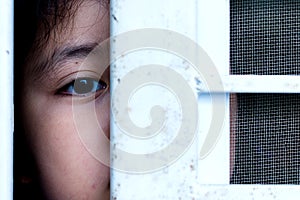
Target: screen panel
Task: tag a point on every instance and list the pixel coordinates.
(266, 135)
(264, 37)
(265, 40)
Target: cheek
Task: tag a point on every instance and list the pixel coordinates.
(68, 169)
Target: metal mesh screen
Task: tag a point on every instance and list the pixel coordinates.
(266, 132)
(265, 40)
(265, 37)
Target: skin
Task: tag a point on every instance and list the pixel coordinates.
(68, 170)
(233, 113)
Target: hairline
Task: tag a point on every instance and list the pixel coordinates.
(43, 62)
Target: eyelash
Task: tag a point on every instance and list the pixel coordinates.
(82, 87)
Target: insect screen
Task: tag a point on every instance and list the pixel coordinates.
(266, 132)
(264, 37)
(265, 40)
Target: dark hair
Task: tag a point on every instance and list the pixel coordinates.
(31, 16)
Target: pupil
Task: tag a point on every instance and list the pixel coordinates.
(83, 86)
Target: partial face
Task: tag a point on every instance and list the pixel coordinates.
(51, 93)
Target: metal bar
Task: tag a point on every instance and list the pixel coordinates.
(213, 38)
(253, 84)
(245, 192)
(6, 100)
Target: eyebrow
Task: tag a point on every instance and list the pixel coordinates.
(62, 54)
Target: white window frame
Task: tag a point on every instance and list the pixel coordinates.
(6, 100)
(207, 23)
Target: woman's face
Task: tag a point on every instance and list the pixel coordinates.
(68, 170)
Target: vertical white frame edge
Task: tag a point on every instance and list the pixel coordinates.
(178, 179)
(6, 100)
(213, 37)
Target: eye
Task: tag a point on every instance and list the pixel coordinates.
(83, 87)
